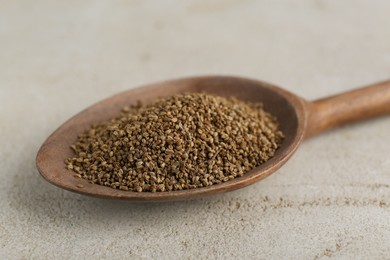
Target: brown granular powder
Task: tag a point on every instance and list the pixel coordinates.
(180, 142)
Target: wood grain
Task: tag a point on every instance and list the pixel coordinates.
(352, 106)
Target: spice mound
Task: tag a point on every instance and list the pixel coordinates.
(181, 142)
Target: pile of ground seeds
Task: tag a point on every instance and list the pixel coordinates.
(181, 142)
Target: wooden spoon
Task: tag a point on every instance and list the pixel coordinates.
(298, 119)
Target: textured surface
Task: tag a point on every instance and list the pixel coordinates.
(331, 199)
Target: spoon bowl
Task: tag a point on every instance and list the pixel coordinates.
(292, 112)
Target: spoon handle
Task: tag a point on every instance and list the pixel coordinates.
(355, 105)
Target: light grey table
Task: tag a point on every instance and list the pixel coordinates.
(57, 57)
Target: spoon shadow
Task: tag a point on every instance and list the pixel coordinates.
(30, 195)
